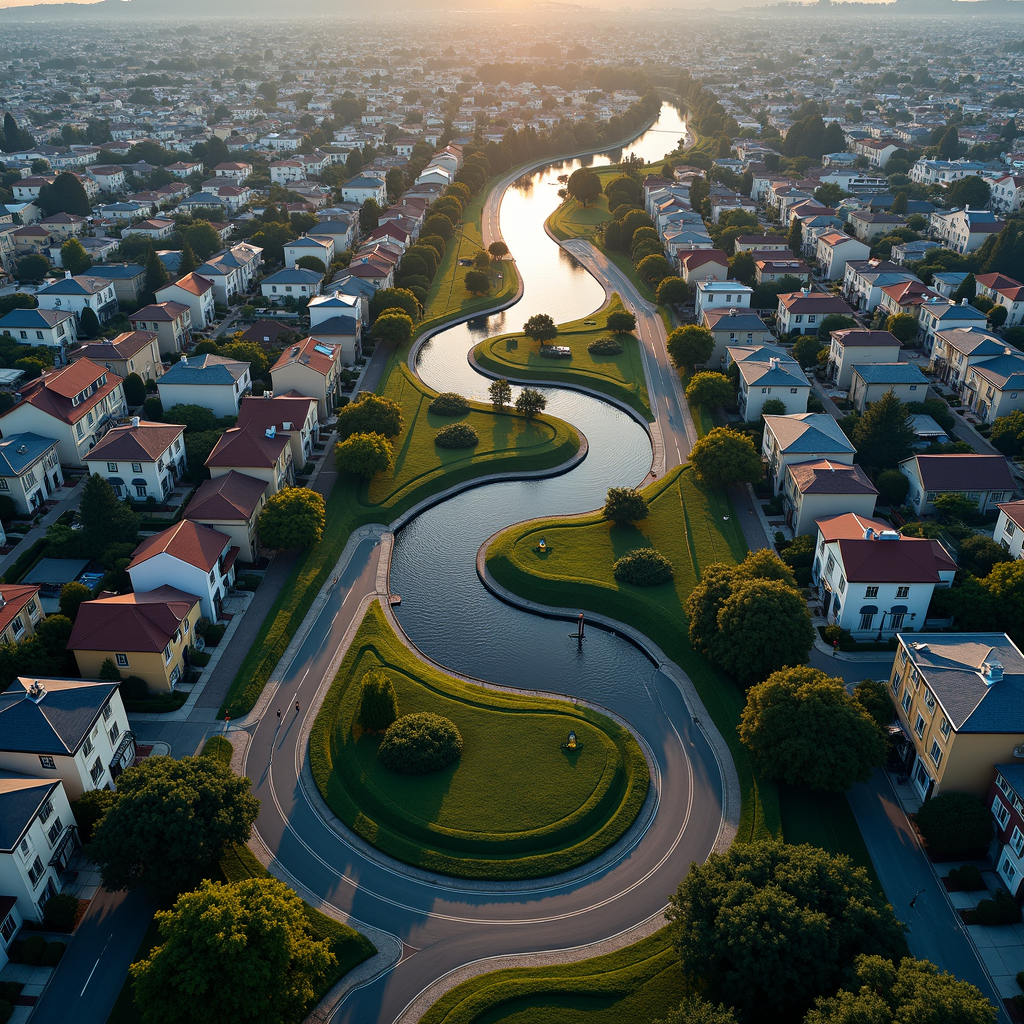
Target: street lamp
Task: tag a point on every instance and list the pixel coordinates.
(880, 627)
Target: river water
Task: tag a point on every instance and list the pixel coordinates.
(445, 609)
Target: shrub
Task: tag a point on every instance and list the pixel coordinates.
(456, 435)
(449, 403)
(423, 742)
(89, 808)
(33, 950)
(833, 633)
(60, 911)
(200, 659)
(52, 954)
(643, 567)
(624, 505)
(955, 823)
(968, 878)
(211, 632)
(604, 347)
(133, 688)
(378, 702)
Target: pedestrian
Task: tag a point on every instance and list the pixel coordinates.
(913, 902)
(279, 714)
(296, 707)
(835, 648)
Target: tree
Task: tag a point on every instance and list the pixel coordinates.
(187, 262)
(625, 505)
(980, 555)
(903, 325)
(892, 487)
(242, 951)
(724, 457)
(829, 194)
(696, 1010)
(621, 322)
(394, 298)
(247, 352)
(89, 322)
(795, 238)
(690, 345)
(499, 250)
(371, 414)
(806, 349)
(1006, 585)
(364, 454)
(804, 728)
(393, 327)
(134, 390)
(873, 697)
(311, 263)
(477, 282)
(73, 257)
(71, 597)
(104, 519)
(540, 327)
(769, 927)
(743, 268)
(672, 290)
(156, 273)
(293, 518)
(172, 819)
(1008, 433)
(709, 389)
(954, 507)
(910, 990)
(378, 702)
(949, 144)
(884, 435)
(32, 267)
(203, 240)
(369, 215)
(14, 138)
(899, 204)
(969, 191)
(530, 403)
(501, 394)
(65, 195)
(955, 823)
(194, 418)
(584, 186)
(997, 316)
(653, 269)
(968, 289)
(834, 322)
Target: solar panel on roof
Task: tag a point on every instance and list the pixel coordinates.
(323, 350)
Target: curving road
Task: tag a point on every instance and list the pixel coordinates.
(445, 924)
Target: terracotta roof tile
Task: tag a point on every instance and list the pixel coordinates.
(187, 541)
(145, 442)
(131, 622)
(233, 496)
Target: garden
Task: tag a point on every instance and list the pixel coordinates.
(464, 780)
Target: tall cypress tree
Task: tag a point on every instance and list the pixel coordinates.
(188, 261)
(884, 435)
(156, 273)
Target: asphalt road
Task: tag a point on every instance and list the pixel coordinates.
(88, 979)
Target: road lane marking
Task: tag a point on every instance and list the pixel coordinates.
(91, 973)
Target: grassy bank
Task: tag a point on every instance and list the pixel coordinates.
(516, 804)
(507, 441)
(620, 376)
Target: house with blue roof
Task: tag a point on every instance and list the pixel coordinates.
(936, 315)
(78, 294)
(29, 469)
(128, 280)
(214, 382)
(870, 381)
(294, 283)
(54, 328)
(802, 437)
(768, 373)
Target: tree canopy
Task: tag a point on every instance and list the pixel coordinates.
(584, 186)
(723, 457)
(624, 505)
(104, 519)
(365, 454)
(292, 518)
(530, 403)
(710, 389)
(690, 345)
(884, 435)
(371, 414)
(540, 327)
(65, 195)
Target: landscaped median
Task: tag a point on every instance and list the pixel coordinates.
(619, 375)
(508, 442)
(518, 803)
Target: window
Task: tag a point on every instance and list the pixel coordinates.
(929, 699)
(107, 712)
(896, 682)
(36, 871)
(896, 622)
(53, 834)
(842, 584)
(830, 565)
(167, 654)
(136, 467)
(87, 747)
(1008, 870)
(871, 591)
(865, 620)
(19, 626)
(1011, 528)
(185, 627)
(122, 660)
(944, 727)
(1000, 812)
(96, 772)
(45, 811)
(8, 928)
(913, 387)
(1003, 785)
(1017, 841)
(906, 701)
(140, 490)
(45, 761)
(935, 753)
(111, 467)
(114, 732)
(792, 391)
(902, 592)
(919, 725)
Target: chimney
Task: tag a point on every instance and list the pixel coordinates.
(184, 359)
(963, 302)
(773, 362)
(36, 690)
(67, 275)
(135, 421)
(991, 670)
(271, 431)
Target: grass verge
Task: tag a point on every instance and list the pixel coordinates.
(516, 804)
(620, 376)
(507, 441)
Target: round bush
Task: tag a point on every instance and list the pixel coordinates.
(644, 567)
(449, 403)
(423, 742)
(604, 347)
(60, 912)
(456, 435)
(955, 823)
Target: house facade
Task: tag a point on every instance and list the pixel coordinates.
(767, 373)
(802, 437)
(984, 479)
(214, 382)
(311, 368)
(872, 381)
(29, 470)
(802, 312)
(231, 504)
(135, 352)
(193, 291)
(1009, 529)
(141, 459)
(854, 346)
(1006, 801)
(822, 488)
(171, 322)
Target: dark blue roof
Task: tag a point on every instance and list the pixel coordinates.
(35, 318)
(20, 799)
(116, 271)
(19, 451)
(59, 723)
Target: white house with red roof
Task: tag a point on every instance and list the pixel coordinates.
(193, 291)
(873, 580)
(231, 504)
(188, 557)
(1006, 292)
(1007, 194)
(701, 264)
(984, 479)
(1009, 530)
(20, 612)
(802, 312)
(140, 459)
(75, 405)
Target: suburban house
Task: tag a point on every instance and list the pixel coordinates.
(156, 229)
(135, 352)
(214, 382)
(701, 264)
(731, 327)
(985, 479)
(871, 381)
(869, 225)
(960, 702)
(38, 838)
(128, 279)
(1009, 530)
(834, 250)
(145, 635)
(822, 488)
(964, 230)
(947, 315)
(905, 297)
(864, 281)
(853, 346)
(140, 459)
(29, 469)
(1006, 292)
(802, 437)
(802, 312)
(289, 413)
(299, 284)
(712, 294)
(20, 612)
(76, 405)
(1006, 800)
(311, 368)
(265, 455)
(994, 387)
(196, 293)
(340, 231)
(231, 504)
(54, 328)
(63, 225)
(69, 730)
(170, 321)
(366, 186)
(232, 271)
(769, 270)
(874, 581)
(320, 247)
(190, 558)
(372, 269)
(767, 373)
(78, 294)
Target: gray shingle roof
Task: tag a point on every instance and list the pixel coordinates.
(889, 373)
(809, 432)
(205, 369)
(59, 723)
(19, 451)
(20, 800)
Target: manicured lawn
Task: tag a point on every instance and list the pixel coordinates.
(514, 805)
(507, 441)
(620, 376)
(639, 983)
